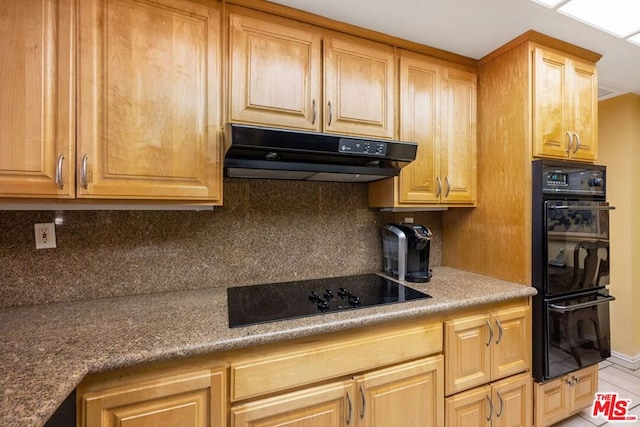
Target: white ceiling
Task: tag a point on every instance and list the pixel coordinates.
(474, 28)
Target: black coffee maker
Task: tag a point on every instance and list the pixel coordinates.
(406, 251)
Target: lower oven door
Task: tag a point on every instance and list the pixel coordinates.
(577, 332)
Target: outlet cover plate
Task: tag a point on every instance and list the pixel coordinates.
(45, 235)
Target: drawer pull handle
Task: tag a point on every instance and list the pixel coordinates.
(350, 409)
(499, 331)
(499, 414)
(330, 114)
(364, 402)
(439, 186)
(315, 112)
(578, 142)
(446, 179)
(488, 343)
(59, 172)
(490, 408)
(570, 135)
(83, 172)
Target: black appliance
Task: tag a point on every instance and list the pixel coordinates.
(260, 152)
(570, 267)
(287, 300)
(406, 252)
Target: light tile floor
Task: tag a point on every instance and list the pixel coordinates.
(611, 378)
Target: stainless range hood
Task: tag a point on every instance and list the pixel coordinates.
(260, 152)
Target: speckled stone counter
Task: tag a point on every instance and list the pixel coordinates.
(46, 350)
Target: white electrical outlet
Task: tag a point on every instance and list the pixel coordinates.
(45, 235)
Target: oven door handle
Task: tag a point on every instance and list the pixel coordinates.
(582, 208)
(564, 309)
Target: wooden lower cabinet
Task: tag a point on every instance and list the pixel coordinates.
(505, 403)
(409, 394)
(194, 399)
(560, 398)
(328, 405)
(499, 340)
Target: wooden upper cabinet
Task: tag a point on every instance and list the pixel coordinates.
(420, 82)
(359, 87)
(438, 112)
(565, 102)
(37, 122)
(274, 72)
(459, 137)
(148, 100)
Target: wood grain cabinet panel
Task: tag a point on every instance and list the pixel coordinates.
(148, 103)
(193, 399)
(37, 116)
(565, 102)
(504, 403)
(411, 394)
(438, 112)
(274, 72)
(359, 87)
(499, 342)
(330, 405)
(562, 397)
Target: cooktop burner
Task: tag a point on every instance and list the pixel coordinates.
(249, 305)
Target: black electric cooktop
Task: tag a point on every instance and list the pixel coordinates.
(249, 305)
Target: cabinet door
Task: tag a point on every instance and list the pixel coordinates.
(274, 72)
(468, 351)
(584, 123)
(411, 394)
(551, 107)
(512, 402)
(359, 87)
(195, 399)
(37, 122)
(512, 338)
(470, 408)
(584, 388)
(420, 83)
(148, 105)
(552, 402)
(329, 405)
(459, 137)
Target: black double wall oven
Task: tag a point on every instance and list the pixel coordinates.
(570, 267)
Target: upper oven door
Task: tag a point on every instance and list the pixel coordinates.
(577, 246)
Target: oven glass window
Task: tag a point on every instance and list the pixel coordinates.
(577, 333)
(577, 246)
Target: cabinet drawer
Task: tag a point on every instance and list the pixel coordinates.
(321, 358)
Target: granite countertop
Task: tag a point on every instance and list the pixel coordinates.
(46, 350)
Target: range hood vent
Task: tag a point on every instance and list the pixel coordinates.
(268, 153)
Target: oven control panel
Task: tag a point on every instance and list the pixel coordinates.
(589, 179)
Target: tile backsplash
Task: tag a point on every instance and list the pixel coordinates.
(266, 231)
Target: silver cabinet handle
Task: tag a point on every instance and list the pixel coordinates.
(490, 408)
(499, 331)
(364, 402)
(582, 208)
(499, 414)
(315, 112)
(446, 179)
(570, 382)
(578, 142)
(350, 409)
(488, 343)
(59, 172)
(439, 186)
(83, 172)
(330, 114)
(570, 135)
